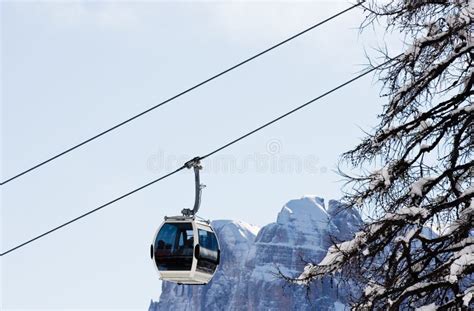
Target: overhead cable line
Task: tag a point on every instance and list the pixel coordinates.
(177, 95)
(92, 211)
(186, 165)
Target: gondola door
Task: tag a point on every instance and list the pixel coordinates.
(207, 251)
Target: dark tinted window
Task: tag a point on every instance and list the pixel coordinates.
(174, 247)
(208, 251)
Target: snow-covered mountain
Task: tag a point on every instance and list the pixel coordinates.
(247, 277)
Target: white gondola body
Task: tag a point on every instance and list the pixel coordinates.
(195, 268)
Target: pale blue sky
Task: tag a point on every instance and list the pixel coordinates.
(71, 69)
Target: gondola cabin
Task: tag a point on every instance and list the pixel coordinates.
(185, 251)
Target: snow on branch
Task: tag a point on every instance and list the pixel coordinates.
(418, 186)
(416, 250)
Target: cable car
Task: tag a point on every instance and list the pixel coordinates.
(185, 250)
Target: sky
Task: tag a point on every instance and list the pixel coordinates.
(72, 69)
